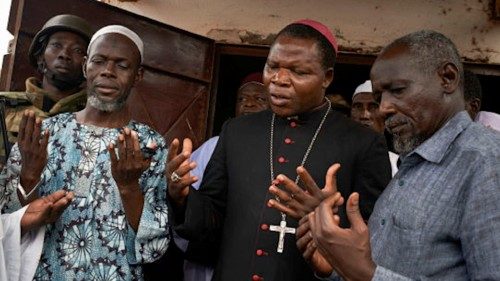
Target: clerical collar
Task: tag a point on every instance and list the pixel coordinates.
(303, 117)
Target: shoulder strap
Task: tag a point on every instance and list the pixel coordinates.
(15, 98)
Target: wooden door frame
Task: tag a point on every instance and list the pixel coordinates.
(228, 49)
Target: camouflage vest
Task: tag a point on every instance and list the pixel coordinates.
(17, 102)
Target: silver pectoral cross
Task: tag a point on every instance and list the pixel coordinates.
(282, 229)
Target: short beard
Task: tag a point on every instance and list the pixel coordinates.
(100, 105)
(403, 145)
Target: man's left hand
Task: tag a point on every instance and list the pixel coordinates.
(296, 202)
(45, 210)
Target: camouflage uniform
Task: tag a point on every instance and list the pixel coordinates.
(33, 98)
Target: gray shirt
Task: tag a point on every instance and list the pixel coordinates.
(439, 218)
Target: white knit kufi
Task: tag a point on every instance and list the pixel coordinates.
(366, 87)
(120, 29)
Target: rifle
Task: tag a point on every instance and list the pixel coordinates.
(5, 145)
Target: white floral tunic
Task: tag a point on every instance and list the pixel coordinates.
(93, 240)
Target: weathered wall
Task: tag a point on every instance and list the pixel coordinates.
(361, 26)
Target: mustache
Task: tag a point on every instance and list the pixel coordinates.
(394, 121)
(106, 85)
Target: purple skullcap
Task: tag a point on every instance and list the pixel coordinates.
(323, 29)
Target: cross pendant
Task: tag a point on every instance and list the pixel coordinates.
(282, 229)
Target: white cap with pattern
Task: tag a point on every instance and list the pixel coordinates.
(120, 29)
(366, 87)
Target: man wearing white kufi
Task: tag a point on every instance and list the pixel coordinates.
(118, 218)
(365, 110)
(120, 29)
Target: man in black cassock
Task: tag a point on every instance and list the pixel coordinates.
(236, 206)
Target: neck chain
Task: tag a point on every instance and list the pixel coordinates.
(304, 159)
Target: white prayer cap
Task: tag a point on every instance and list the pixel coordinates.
(363, 88)
(120, 29)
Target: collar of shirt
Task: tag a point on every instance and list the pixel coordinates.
(436, 147)
(312, 115)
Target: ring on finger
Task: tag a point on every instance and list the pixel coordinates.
(174, 177)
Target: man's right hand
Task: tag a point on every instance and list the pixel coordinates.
(296, 202)
(178, 171)
(45, 210)
(33, 148)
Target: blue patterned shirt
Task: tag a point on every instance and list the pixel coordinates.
(93, 240)
(439, 218)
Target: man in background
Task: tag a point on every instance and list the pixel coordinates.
(251, 97)
(473, 95)
(57, 52)
(365, 110)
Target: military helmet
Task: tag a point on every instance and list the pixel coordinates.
(59, 23)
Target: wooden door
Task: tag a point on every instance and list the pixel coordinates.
(173, 98)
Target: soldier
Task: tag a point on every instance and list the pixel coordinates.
(57, 51)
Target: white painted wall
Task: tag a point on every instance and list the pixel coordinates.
(361, 25)
(5, 36)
